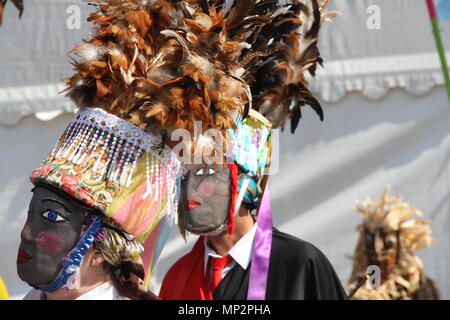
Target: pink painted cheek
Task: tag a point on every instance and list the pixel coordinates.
(206, 188)
(50, 242)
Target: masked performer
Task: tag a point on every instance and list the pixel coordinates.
(238, 254)
(101, 194)
(387, 239)
(98, 201)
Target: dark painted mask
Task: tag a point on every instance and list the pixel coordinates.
(382, 250)
(53, 228)
(205, 198)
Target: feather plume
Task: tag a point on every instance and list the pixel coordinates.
(287, 48)
(170, 63)
(17, 3)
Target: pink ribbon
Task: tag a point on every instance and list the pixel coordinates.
(261, 251)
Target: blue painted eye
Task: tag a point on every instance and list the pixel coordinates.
(52, 216)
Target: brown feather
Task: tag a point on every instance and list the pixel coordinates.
(171, 63)
(2, 8)
(140, 20)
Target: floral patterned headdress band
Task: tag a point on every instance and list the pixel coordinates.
(115, 167)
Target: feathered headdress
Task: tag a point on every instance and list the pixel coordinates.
(17, 3)
(170, 63)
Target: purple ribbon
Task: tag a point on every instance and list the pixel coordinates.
(261, 251)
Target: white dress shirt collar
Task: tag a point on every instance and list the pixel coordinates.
(241, 252)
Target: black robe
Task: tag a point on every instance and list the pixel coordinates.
(297, 271)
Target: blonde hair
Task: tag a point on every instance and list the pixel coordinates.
(123, 262)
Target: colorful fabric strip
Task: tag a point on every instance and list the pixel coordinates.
(153, 247)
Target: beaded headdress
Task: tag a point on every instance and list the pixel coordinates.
(115, 167)
(124, 172)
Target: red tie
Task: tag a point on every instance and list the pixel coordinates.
(217, 266)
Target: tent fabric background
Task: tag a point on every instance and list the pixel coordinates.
(378, 45)
(400, 54)
(387, 121)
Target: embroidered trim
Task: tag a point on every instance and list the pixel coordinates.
(113, 144)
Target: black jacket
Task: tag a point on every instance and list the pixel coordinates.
(297, 271)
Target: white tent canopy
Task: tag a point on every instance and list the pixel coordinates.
(386, 122)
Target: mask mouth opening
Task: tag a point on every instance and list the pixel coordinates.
(199, 228)
(198, 224)
(215, 232)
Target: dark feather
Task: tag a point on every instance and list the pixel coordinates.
(204, 5)
(19, 5)
(296, 116)
(315, 105)
(277, 72)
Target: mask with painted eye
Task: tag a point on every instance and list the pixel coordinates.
(205, 198)
(382, 250)
(53, 216)
(53, 228)
(204, 172)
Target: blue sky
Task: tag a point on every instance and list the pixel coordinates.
(443, 9)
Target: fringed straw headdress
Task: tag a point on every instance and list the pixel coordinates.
(381, 217)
